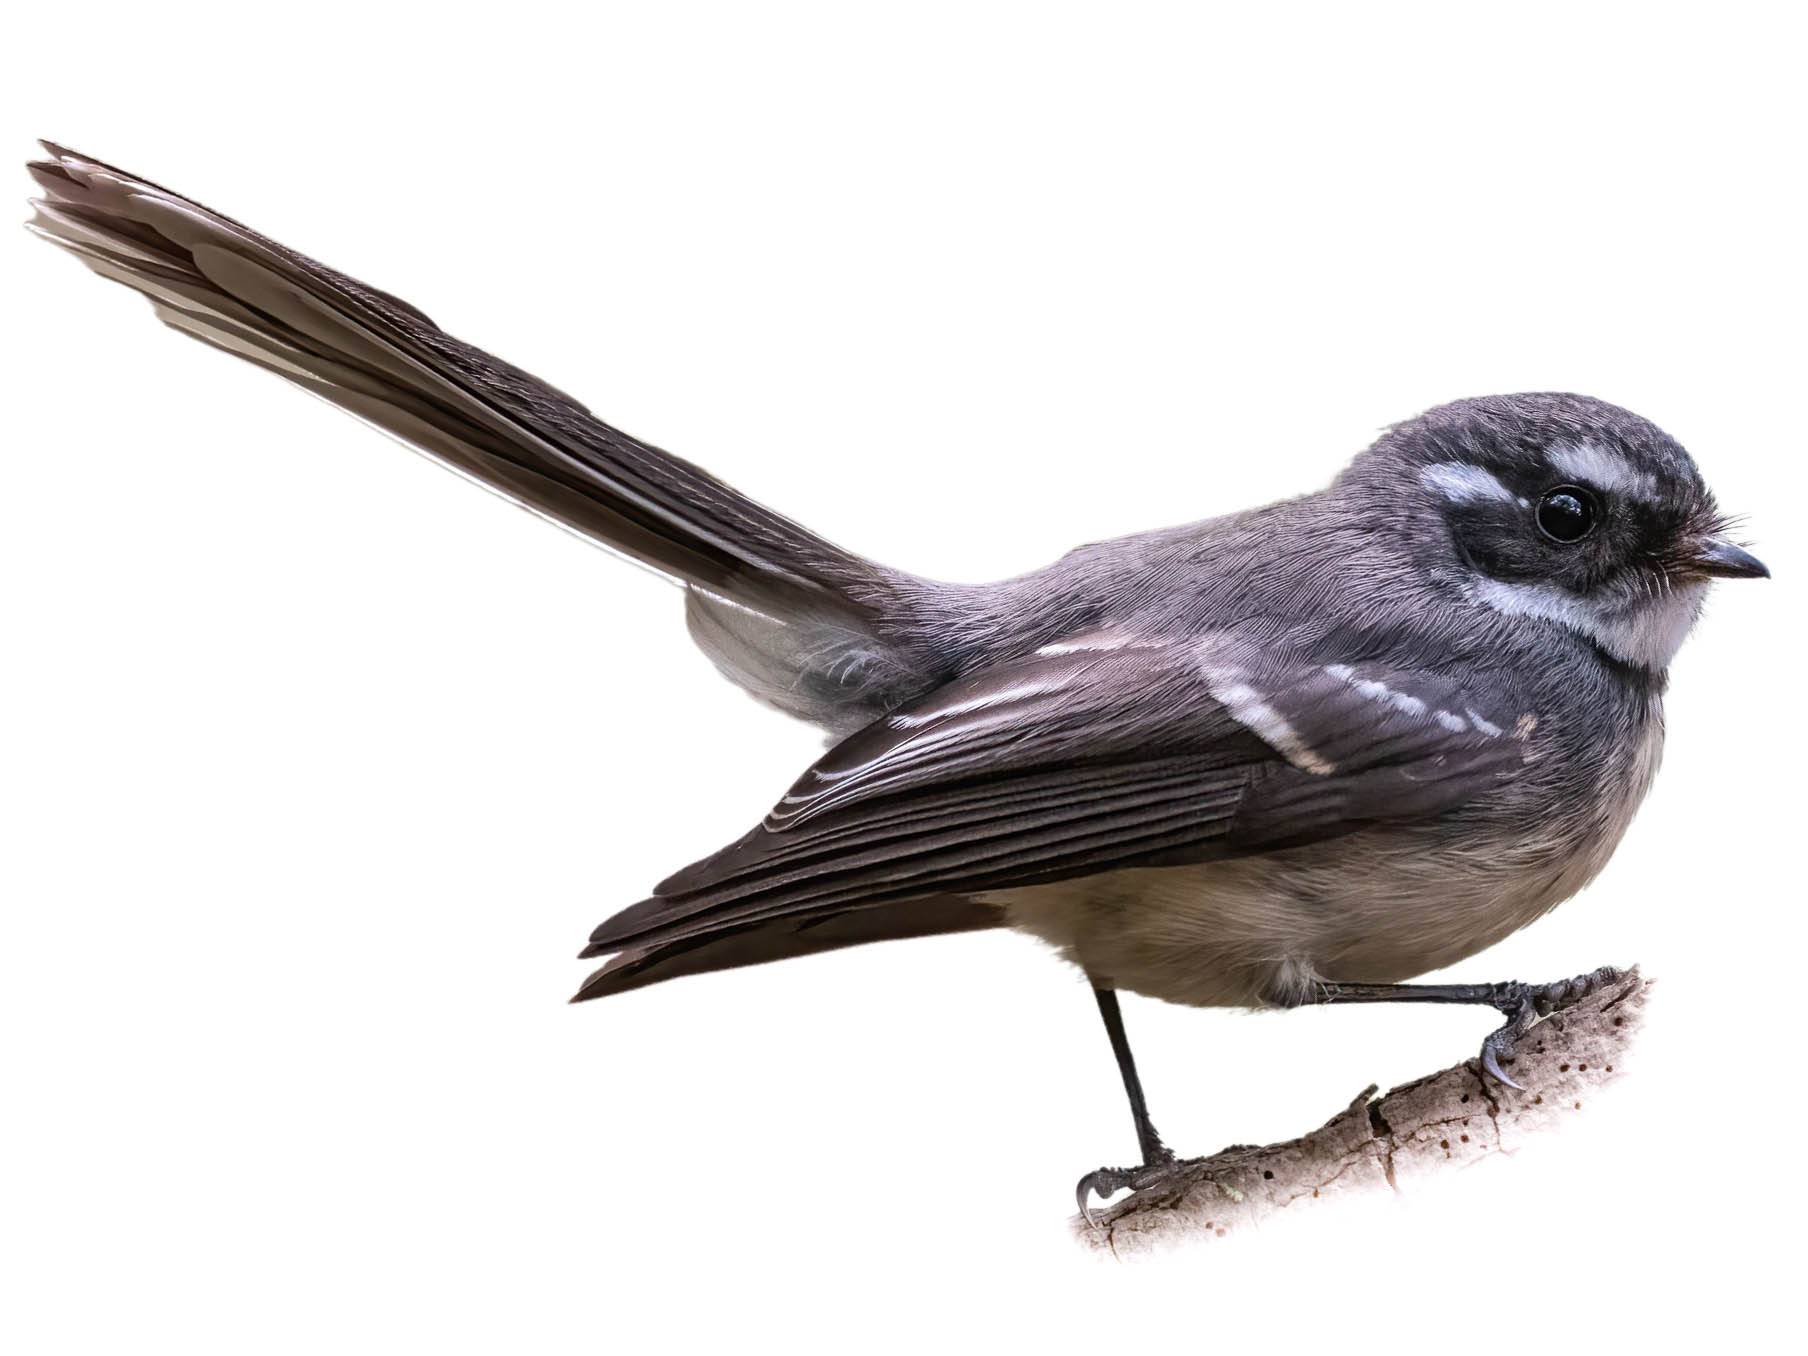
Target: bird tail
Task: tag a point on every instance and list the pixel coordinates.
(798, 621)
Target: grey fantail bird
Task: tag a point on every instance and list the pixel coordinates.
(1294, 755)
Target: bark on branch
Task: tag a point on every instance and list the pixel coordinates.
(1446, 1119)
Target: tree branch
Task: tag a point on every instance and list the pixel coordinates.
(1446, 1119)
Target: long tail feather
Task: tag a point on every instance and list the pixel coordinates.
(817, 647)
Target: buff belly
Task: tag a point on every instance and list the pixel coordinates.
(1378, 907)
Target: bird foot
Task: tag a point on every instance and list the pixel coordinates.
(1162, 1169)
(1525, 1005)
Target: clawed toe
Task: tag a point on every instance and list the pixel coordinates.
(1106, 1182)
(1525, 1005)
(1549, 998)
(1499, 1045)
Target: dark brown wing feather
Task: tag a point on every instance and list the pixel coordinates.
(784, 938)
(1072, 763)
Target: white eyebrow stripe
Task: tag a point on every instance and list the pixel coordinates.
(1462, 483)
(1602, 468)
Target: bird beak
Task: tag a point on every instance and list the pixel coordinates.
(1718, 559)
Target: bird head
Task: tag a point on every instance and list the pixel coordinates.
(1561, 508)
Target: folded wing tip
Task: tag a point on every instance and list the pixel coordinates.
(595, 983)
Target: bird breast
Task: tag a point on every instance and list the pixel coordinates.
(1382, 905)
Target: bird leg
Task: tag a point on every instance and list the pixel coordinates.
(1158, 1160)
(1523, 1005)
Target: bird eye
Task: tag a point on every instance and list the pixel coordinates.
(1567, 513)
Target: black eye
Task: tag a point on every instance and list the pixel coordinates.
(1567, 513)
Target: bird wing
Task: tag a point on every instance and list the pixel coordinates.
(1096, 755)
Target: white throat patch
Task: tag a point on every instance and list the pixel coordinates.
(1647, 631)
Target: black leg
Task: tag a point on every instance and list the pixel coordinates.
(1146, 1137)
(1521, 1004)
(1157, 1158)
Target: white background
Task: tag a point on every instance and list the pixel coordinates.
(319, 765)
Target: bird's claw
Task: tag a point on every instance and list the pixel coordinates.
(1500, 1043)
(1103, 1181)
(1107, 1181)
(1525, 1005)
